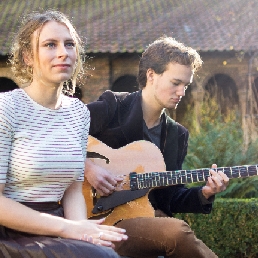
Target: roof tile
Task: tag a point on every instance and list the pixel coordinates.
(129, 25)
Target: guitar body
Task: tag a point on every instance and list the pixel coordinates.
(140, 157)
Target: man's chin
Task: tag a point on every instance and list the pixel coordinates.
(172, 106)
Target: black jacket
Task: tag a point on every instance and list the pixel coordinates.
(117, 120)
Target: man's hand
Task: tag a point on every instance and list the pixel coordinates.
(217, 182)
(101, 179)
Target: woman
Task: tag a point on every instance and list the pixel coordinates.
(43, 139)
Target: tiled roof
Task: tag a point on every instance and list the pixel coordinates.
(130, 25)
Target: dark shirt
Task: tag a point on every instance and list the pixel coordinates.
(152, 134)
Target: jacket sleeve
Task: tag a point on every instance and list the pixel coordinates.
(102, 112)
(179, 199)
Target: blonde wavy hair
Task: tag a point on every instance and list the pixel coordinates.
(22, 44)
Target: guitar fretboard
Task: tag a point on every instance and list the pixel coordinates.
(167, 178)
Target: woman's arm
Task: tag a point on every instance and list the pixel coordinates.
(74, 203)
(19, 217)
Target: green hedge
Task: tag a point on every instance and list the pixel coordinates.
(231, 230)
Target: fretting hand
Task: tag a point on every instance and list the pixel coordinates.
(217, 182)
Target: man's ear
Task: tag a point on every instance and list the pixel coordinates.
(150, 74)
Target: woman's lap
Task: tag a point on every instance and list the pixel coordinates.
(42, 247)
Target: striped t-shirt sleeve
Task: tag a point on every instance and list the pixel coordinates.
(6, 133)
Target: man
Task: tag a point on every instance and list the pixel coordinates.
(166, 68)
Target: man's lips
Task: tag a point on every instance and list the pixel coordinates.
(176, 100)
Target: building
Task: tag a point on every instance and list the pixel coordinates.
(117, 31)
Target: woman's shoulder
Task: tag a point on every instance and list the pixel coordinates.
(9, 102)
(10, 94)
(75, 105)
(10, 97)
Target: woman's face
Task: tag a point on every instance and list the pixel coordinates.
(56, 54)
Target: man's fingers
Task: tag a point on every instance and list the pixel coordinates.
(224, 177)
(214, 166)
(119, 179)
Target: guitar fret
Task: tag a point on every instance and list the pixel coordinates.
(161, 179)
(200, 175)
(235, 172)
(226, 171)
(147, 181)
(178, 177)
(170, 178)
(188, 176)
(243, 171)
(194, 176)
(206, 173)
(238, 171)
(253, 170)
(183, 176)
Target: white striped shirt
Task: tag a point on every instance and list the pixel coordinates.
(42, 151)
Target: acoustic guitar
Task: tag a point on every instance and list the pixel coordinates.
(142, 167)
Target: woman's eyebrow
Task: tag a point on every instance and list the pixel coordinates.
(56, 40)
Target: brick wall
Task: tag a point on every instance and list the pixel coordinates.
(107, 68)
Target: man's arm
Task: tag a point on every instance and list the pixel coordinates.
(179, 199)
(101, 179)
(102, 112)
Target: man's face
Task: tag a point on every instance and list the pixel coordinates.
(168, 88)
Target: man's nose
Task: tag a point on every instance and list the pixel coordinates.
(181, 91)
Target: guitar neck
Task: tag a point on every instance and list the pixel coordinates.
(167, 178)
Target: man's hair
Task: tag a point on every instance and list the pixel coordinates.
(163, 51)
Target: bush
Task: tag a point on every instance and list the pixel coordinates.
(218, 139)
(230, 230)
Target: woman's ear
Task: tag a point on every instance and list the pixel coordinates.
(28, 60)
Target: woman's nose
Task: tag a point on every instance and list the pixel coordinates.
(62, 51)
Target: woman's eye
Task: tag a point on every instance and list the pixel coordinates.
(70, 44)
(50, 45)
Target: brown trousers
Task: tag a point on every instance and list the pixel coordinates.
(152, 237)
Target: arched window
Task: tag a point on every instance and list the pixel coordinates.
(223, 88)
(125, 83)
(7, 84)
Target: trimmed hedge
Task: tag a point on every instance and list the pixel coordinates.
(231, 230)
